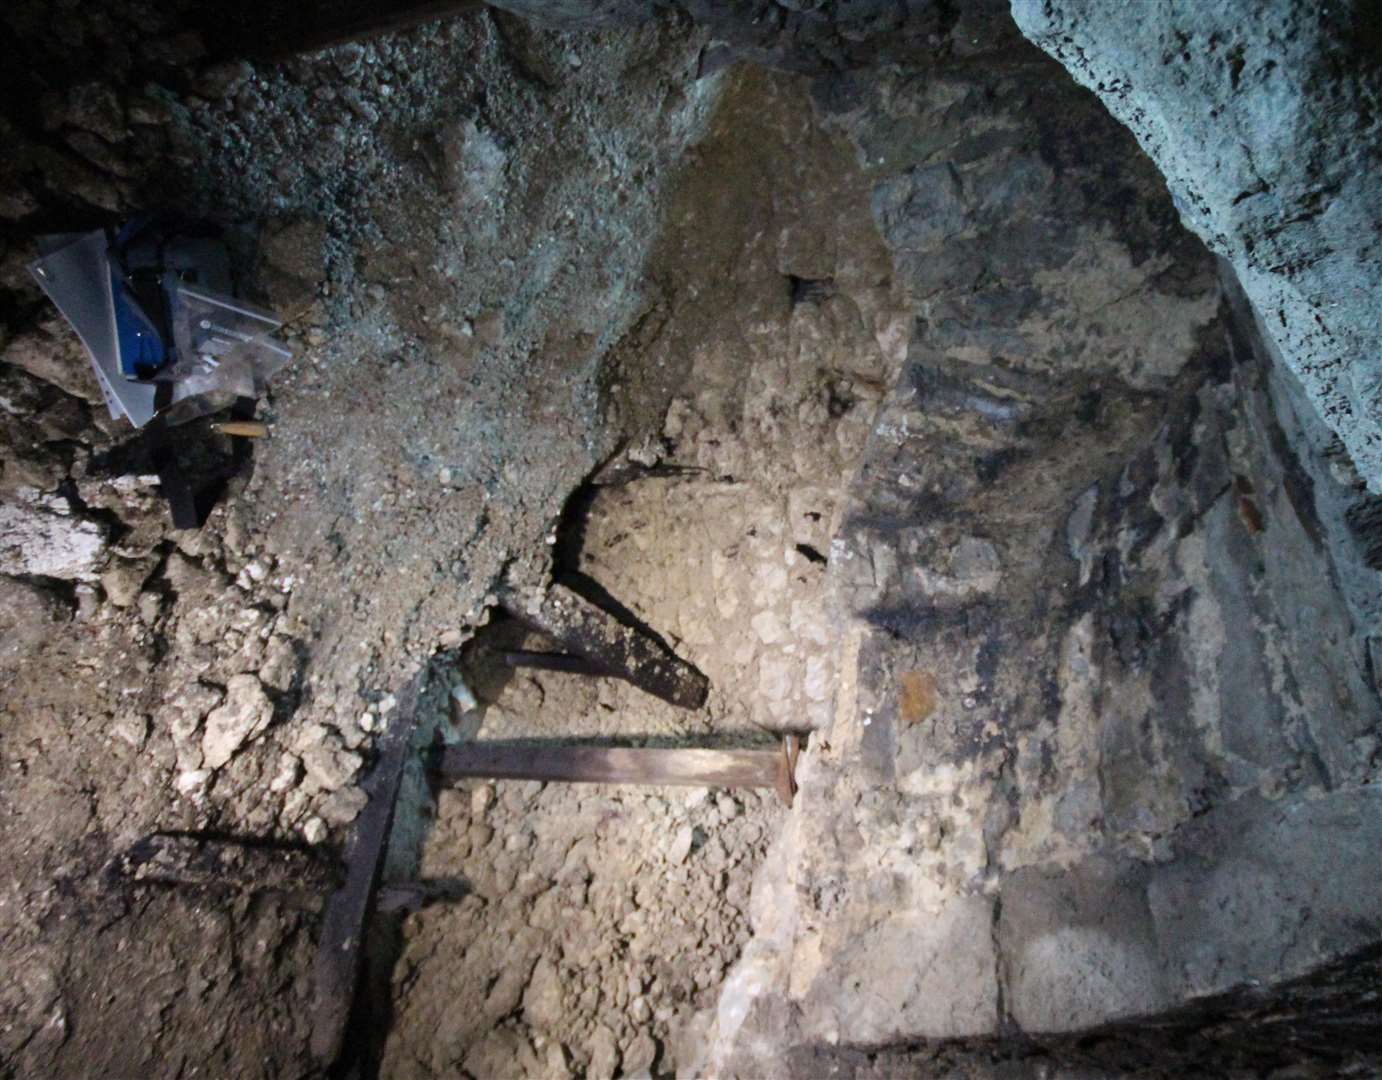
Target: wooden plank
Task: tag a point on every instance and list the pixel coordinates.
(593, 633)
(611, 765)
(339, 950)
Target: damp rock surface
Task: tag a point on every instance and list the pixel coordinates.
(1264, 122)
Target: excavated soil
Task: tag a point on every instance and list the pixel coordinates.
(499, 268)
(454, 221)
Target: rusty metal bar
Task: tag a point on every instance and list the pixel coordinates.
(339, 950)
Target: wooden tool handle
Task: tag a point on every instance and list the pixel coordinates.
(247, 429)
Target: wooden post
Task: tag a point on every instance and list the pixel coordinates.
(339, 950)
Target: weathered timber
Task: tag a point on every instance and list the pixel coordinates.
(339, 950)
(199, 861)
(611, 765)
(623, 651)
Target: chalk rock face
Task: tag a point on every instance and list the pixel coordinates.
(1101, 710)
(1263, 120)
(40, 535)
(245, 713)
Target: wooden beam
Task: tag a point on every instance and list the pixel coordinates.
(339, 951)
(611, 765)
(593, 633)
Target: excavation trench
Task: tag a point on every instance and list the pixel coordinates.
(978, 508)
(588, 928)
(896, 403)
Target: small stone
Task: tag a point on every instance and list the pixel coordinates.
(642, 1052)
(352, 734)
(729, 809)
(280, 666)
(330, 768)
(245, 714)
(288, 775)
(480, 800)
(123, 581)
(681, 845)
(474, 162)
(776, 677)
(768, 626)
(819, 683)
(697, 797)
(314, 830)
(191, 782)
(344, 806)
(150, 607)
(542, 1004)
(131, 729)
(604, 1054)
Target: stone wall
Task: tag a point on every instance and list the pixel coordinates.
(1106, 736)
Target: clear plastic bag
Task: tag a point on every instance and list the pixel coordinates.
(226, 349)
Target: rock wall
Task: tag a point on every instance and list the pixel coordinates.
(1264, 120)
(1106, 737)
(809, 36)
